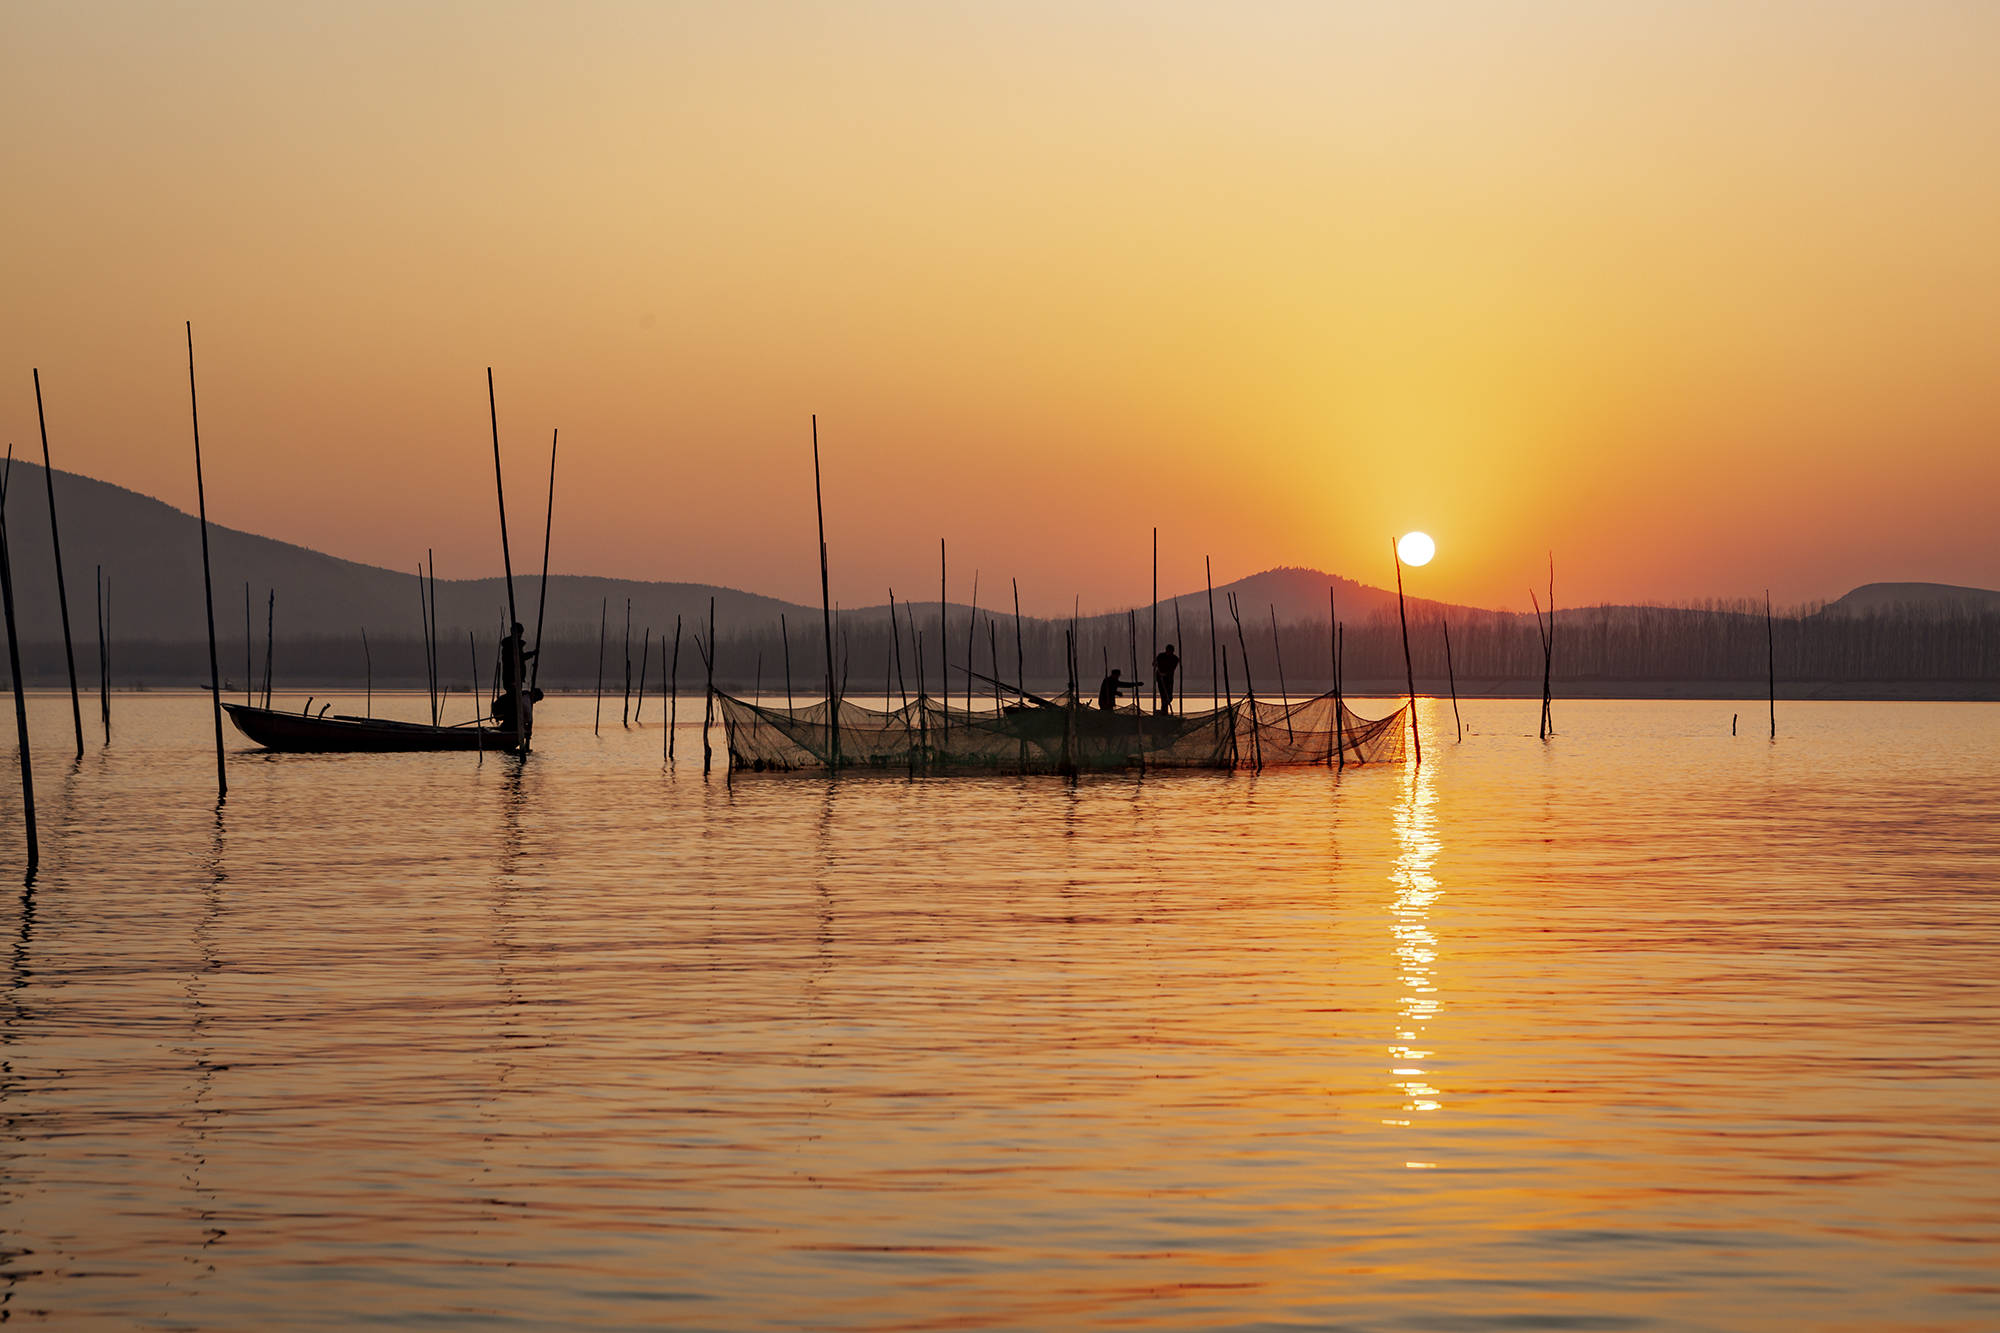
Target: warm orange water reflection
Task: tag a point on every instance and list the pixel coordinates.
(1648, 1027)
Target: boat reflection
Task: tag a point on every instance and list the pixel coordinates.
(1416, 890)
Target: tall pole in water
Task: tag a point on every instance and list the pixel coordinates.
(104, 650)
(507, 563)
(1409, 672)
(1770, 661)
(20, 695)
(825, 612)
(1214, 646)
(207, 582)
(542, 596)
(62, 592)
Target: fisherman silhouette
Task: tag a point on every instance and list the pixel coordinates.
(514, 657)
(1164, 667)
(1107, 693)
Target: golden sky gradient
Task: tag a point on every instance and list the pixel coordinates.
(1705, 297)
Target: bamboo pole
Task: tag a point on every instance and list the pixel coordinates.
(522, 726)
(103, 657)
(1549, 654)
(826, 612)
(1451, 676)
(993, 653)
(625, 713)
(1542, 635)
(1155, 627)
(62, 591)
(1230, 705)
(1339, 703)
(1214, 695)
(603, 610)
(708, 711)
(1770, 660)
(20, 690)
(1180, 638)
(971, 637)
(270, 641)
(1284, 691)
(645, 657)
(785, 632)
(472, 688)
(207, 582)
(1020, 651)
(541, 593)
(944, 650)
(368, 670)
(674, 691)
(1249, 688)
(249, 652)
(424, 614)
(1409, 671)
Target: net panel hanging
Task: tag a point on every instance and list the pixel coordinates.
(1061, 735)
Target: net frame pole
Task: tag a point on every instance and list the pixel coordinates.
(542, 594)
(944, 649)
(674, 691)
(1284, 692)
(1451, 676)
(1770, 658)
(603, 622)
(1214, 677)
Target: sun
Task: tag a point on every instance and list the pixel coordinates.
(1416, 548)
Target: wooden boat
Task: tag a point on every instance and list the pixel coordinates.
(300, 732)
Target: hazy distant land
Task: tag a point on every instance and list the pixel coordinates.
(1886, 640)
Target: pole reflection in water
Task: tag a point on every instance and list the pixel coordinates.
(1416, 892)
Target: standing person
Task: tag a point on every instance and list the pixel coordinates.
(514, 658)
(1164, 668)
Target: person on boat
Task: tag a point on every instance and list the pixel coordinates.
(1107, 693)
(514, 658)
(1164, 668)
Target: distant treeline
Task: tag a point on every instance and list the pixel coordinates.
(1701, 643)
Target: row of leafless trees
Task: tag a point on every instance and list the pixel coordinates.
(1592, 644)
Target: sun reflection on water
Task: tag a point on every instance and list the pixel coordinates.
(1416, 946)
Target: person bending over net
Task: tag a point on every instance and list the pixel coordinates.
(1107, 693)
(1164, 668)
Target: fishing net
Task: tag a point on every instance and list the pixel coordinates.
(1054, 736)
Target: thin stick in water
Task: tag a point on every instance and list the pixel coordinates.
(674, 691)
(20, 691)
(62, 591)
(207, 582)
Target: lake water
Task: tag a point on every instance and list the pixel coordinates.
(1648, 1027)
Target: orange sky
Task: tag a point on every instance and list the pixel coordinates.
(1703, 296)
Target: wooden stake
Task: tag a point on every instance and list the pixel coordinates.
(368, 670)
(542, 594)
(603, 610)
(1451, 676)
(207, 582)
(674, 691)
(20, 690)
(424, 611)
(1340, 704)
(1230, 705)
(1409, 671)
(62, 591)
(826, 612)
(1549, 655)
(478, 714)
(971, 637)
(625, 714)
(249, 651)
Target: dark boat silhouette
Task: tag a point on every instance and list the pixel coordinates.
(301, 732)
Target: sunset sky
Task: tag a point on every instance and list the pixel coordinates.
(1703, 297)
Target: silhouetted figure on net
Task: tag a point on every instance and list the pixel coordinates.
(1107, 693)
(514, 658)
(1164, 668)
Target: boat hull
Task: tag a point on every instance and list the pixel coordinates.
(296, 732)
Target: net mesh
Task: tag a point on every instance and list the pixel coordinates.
(1054, 736)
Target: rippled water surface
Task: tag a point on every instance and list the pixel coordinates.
(1647, 1027)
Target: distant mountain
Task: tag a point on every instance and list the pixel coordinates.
(151, 553)
(1872, 599)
